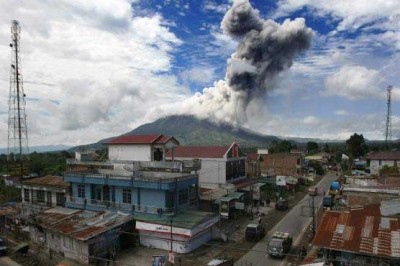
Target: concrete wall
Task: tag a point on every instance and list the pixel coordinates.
(281, 163)
(179, 244)
(32, 206)
(375, 166)
(212, 171)
(130, 152)
(154, 198)
(358, 198)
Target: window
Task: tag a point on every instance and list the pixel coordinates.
(40, 195)
(183, 196)
(26, 195)
(81, 191)
(60, 198)
(126, 196)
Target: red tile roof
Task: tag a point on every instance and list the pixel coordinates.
(384, 155)
(141, 139)
(199, 152)
(48, 180)
(362, 231)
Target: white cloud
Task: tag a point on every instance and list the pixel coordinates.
(199, 75)
(311, 120)
(351, 14)
(210, 5)
(341, 112)
(91, 66)
(354, 82)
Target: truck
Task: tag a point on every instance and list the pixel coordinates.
(327, 201)
(254, 232)
(280, 244)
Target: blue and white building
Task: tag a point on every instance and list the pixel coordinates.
(139, 181)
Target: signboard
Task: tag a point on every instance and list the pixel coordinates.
(281, 180)
(239, 205)
(224, 208)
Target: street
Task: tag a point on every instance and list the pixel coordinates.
(293, 223)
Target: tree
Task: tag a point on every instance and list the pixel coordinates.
(283, 146)
(327, 148)
(356, 145)
(312, 147)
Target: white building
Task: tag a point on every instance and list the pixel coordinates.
(219, 164)
(141, 147)
(377, 160)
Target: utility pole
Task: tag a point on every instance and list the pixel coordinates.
(171, 252)
(313, 217)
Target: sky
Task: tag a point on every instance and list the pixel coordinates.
(292, 68)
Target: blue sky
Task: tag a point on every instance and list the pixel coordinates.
(95, 69)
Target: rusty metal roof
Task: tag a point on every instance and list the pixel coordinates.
(48, 180)
(360, 230)
(80, 224)
(384, 155)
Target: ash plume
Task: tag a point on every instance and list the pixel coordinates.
(265, 49)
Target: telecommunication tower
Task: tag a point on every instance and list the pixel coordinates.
(388, 133)
(17, 129)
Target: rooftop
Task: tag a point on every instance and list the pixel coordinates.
(187, 219)
(361, 230)
(80, 224)
(142, 139)
(48, 180)
(384, 155)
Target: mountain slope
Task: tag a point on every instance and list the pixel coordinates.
(189, 130)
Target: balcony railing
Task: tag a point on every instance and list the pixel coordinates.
(122, 206)
(183, 166)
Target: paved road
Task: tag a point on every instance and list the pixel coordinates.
(293, 223)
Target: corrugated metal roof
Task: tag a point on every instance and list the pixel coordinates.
(48, 180)
(199, 152)
(384, 155)
(142, 139)
(80, 224)
(361, 230)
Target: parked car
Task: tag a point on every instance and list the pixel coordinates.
(254, 232)
(3, 247)
(282, 204)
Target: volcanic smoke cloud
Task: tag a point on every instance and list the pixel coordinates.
(265, 49)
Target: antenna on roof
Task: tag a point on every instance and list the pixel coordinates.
(388, 133)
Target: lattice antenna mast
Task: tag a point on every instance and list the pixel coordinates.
(388, 134)
(17, 129)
